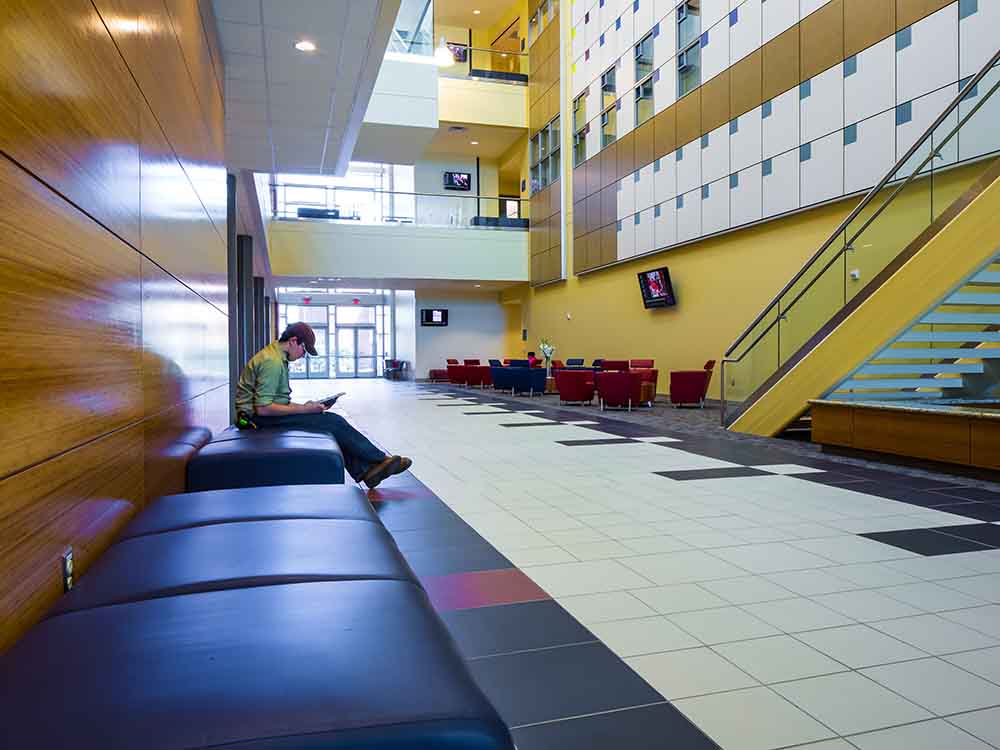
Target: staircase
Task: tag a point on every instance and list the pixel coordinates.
(950, 354)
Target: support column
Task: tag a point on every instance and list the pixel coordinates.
(260, 339)
(233, 282)
(244, 263)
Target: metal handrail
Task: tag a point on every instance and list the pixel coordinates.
(869, 197)
(352, 188)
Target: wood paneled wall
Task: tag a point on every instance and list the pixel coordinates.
(112, 275)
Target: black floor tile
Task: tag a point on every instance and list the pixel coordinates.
(489, 631)
(893, 491)
(980, 511)
(596, 441)
(621, 429)
(557, 683)
(739, 453)
(647, 728)
(482, 413)
(725, 473)
(531, 424)
(462, 558)
(925, 542)
(983, 533)
(972, 493)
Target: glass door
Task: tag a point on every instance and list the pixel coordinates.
(319, 366)
(366, 365)
(346, 353)
(357, 352)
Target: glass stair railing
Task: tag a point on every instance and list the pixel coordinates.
(914, 197)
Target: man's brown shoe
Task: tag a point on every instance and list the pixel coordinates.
(404, 464)
(382, 470)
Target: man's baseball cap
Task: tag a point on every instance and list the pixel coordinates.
(304, 334)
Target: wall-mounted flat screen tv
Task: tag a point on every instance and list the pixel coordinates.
(431, 317)
(457, 181)
(657, 291)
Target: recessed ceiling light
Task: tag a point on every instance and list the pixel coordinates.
(305, 46)
(474, 143)
(476, 12)
(478, 286)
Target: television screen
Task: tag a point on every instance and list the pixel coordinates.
(429, 317)
(457, 181)
(656, 288)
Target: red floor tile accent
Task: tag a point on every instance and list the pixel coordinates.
(482, 589)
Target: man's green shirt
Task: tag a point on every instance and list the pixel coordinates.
(264, 381)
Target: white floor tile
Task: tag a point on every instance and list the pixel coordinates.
(582, 422)
(682, 567)
(875, 575)
(985, 662)
(867, 605)
(983, 724)
(679, 598)
(812, 582)
(576, 536)
(594, 608)
(860, 646)
(984, 619)
(936, 685)
(540, 556)
(753, 719)
(789, 469)
(926, 735)
(644, 635)
(569, 579)
(934, 568)
(932, 597)
(934, 634)
(598, 550)
(852, 549)
(797, 615)
(683, 674)
(770, 558)
(747, 590)
(723, 625)
(850, 703)
(778, 659)
(652, 545)
(985, 587)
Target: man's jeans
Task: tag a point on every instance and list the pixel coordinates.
(359, 453)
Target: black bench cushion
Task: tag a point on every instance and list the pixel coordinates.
(251, 504)
(266, 458)
(237, 555)
(350, 664)
(231, 433)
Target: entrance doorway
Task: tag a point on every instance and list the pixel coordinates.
(357, 354)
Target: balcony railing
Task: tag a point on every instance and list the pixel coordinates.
(413, 32)
(488, 64)
(372, 206)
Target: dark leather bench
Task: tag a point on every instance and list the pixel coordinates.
(256, 458)
(332, 664)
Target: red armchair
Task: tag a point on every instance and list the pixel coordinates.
(648, 376)
(471, 362)
(620, 365)
(575, 386)
(506, 362)
(458, 374)
(437, 375)
(557, 364)
(691, 386)
(452, 361)
(478, 375)
(618, 389)
(640, 364)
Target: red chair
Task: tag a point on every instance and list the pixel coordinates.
(478, 375)
(452, 361)
(471, 362)
(458, 374)
(648, 376)
(437, 376)
(557, 364)
(691, 386)
(575, 386)
(619, 365)
(640, 364)
(506, 363)
(618, 389)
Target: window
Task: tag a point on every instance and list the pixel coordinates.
(609, 128)
(688, 23)
(643, 101)
(579, 148)
(536, 153)
(579, 112)
(608, 94)
(554, 165)
(688, 70)
(554, 135)
(644, 57)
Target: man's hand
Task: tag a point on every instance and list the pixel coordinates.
(313, 407)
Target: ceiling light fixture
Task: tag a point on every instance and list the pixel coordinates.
(443, 56)
(478, 286)
(305, 45)
(476, 12)
(474, 143)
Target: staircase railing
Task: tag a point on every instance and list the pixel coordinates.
(854, 260)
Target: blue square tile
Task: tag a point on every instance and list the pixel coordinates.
(904, 113)
(656, 75)
(680, 201)
(618, 23)
(734, 181)
(967, 8)
(635, 220)
(657, 210)
(680, 154)
(973, 92)
(704, 39)
(904, 38)
(850, 134)
(635, 177)
(704, 192)
(805, 152)
(635, 6)
(734, 126)
(602, 40)
(656, 166)
(766, 109)
(656, 31)
(734, 16)
(618, 226)
(805, 89)
(704, 141)
(850, 66)
(766, 167)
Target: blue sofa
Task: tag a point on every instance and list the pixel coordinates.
(530, 380)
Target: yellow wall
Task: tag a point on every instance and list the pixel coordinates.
(484, 102)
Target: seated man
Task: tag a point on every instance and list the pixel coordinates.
(263, 397)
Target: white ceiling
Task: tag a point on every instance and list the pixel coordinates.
(291, 111)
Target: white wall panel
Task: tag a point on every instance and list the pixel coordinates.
(626, 115)
(665, 179)
(644, 19)
(594, 138)
(745, 34)
(822, 111)
(644, 188)
(871, 87)
(713, 11)
(872, 153)
(980, 134)
(778, 16)
(626, 238)
(822, 174)
(745, 201)
(665, 89)
(626, 197)
(780, 189)
(715, 207)
(930, 60)
(689, 216)
(644, 231)
(715, 156)
(606, 16)
(688, 162)
(665, 45)
(923, 112)
(810, 6)
(745, 143)
(715, 55)
(977, 35)
(591, 31)
(664, 225)
(781, 127)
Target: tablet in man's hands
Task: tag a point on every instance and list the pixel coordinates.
(331, 400)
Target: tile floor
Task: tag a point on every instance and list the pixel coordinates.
(616, 584)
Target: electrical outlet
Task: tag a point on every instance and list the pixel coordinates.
(67, 569)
